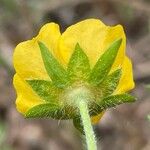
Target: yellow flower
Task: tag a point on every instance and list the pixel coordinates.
(93, 36)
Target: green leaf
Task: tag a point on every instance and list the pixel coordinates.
(115, 100)
(95, 109)
(49, 110)
(78, 125)
(56, 72)
(79, 67)
(67, 112)
(45, 89)
(111, 101)
(110, 83)
(104, 64)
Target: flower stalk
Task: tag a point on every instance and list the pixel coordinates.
(87, 126)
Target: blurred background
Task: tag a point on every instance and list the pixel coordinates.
(126, 127)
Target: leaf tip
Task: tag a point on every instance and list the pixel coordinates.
(118, 42)
(27, 116)
(131, 98)
(77, 46)
(39, 43)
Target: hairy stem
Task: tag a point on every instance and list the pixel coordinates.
(88, 129)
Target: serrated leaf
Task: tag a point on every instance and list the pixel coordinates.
(56, 72)
(104, 64)
(78, 66)
(110, 83)
(115, 100)
(50, 110)
(78, 125)
(45, 89)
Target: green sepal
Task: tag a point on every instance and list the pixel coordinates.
(110, 83)
(56, 72)
(78, 66)
(111, 101)
(78, 125)
(50, 110)
(45, 89)
(104, 63)
(47, 110)
(115, 100)
(67, 112)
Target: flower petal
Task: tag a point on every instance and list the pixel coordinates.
(27, 57)
(95, 119)
(26, 98)
(126, 82)
(94, 37)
